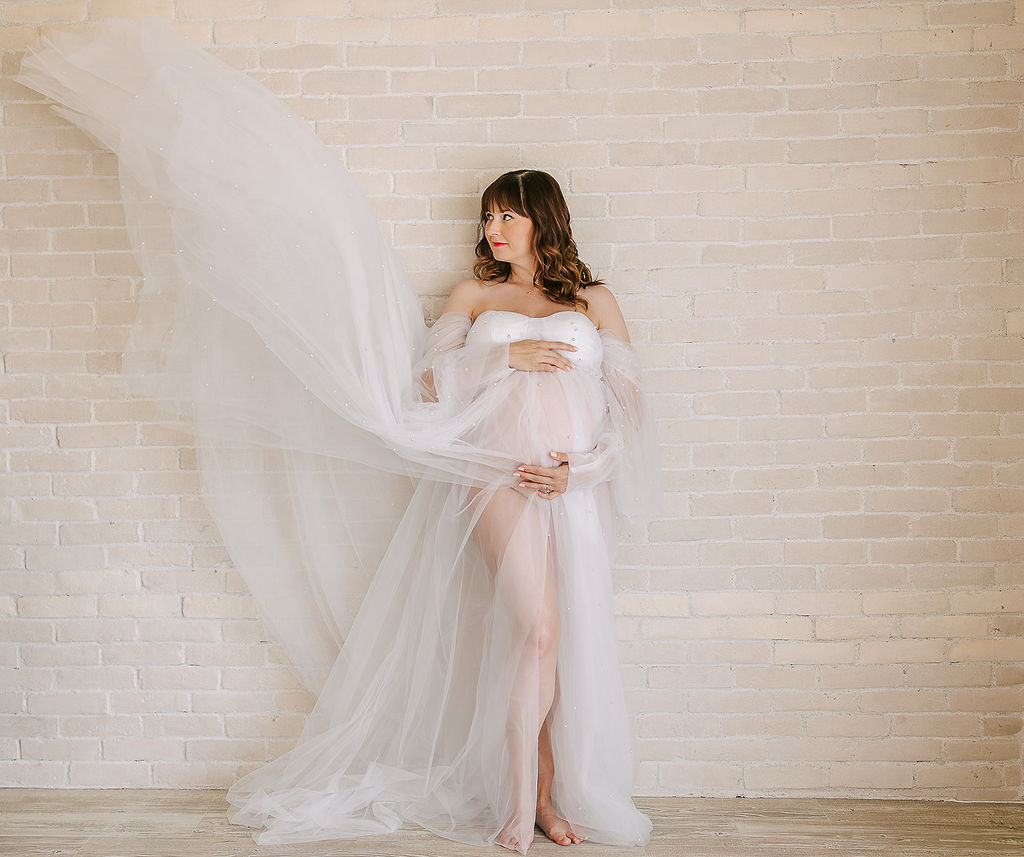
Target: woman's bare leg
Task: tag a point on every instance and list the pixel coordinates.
(514, 541)
(556, 828)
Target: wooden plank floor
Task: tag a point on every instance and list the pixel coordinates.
(177, 823)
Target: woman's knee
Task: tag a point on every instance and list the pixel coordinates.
(547, 634)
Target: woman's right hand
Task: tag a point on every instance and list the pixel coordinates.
(539, 355)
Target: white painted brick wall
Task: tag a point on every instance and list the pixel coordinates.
(812, 216)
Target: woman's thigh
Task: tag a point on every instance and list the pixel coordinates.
(513, 535)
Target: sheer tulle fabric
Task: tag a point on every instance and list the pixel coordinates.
(360, 467)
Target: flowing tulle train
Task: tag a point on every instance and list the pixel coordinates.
(361, 468)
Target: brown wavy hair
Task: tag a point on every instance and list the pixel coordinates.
(534, 194)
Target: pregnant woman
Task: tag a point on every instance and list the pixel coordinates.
(541, 540)
(425, 517)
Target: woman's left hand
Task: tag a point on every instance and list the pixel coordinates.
(549, 482)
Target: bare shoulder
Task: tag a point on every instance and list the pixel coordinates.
(605, 312)
(467, 297)
(600, 297)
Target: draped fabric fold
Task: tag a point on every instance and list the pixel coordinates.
(457, 373)
(361, 468)
(624, 452)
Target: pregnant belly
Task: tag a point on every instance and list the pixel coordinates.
(544, 412)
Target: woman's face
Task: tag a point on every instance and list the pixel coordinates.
(510, 235)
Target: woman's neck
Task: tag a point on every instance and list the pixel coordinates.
(522, 274)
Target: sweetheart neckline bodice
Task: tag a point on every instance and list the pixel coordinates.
(571, 326)
(535, 317)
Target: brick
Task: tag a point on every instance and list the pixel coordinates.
(859, 70)
(986, 650)
(914, 550)
(732, 700)
(858, 676)
(243, 678)
(927, 41)
(819, 750)
(814, 652)
(988, 500)
(987, 699)
(982, 750)
(683, 775)
(739, 100)
(56, 606)
(853, 627)
(635, 604)
(839, 44)
(525, 28)
(818, 501)
(696, 22)
(264, 726)
(815, 701)
(848, 725)
(974, 526)
(771, 628)
(1002, 725)
(903, 651)
(893, 775)
(599, 24)
(991, 601)
(59, 749)
(915, 699)
(967, 170)
(977, 775)
(999, 38)
(885, 17)
(864, 526)
(743, 47)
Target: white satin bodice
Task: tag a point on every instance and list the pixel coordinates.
(496, 325)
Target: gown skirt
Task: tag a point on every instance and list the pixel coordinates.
(360, 466)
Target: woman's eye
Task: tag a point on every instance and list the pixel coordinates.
(506, 216)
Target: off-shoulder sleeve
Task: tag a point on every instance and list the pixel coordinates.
(626, 453)
(453, 370)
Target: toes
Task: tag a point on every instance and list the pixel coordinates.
(509, 842)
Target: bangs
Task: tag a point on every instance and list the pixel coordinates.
(535, 195)
(505, 194)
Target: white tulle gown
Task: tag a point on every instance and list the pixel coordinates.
(361, 467)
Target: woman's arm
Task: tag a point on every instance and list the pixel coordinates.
(626, 451)
(589, 468)
(467, 297)
(464, 299)
(605, 312)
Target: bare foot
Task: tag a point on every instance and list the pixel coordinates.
(509, 840)
(556, 828)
